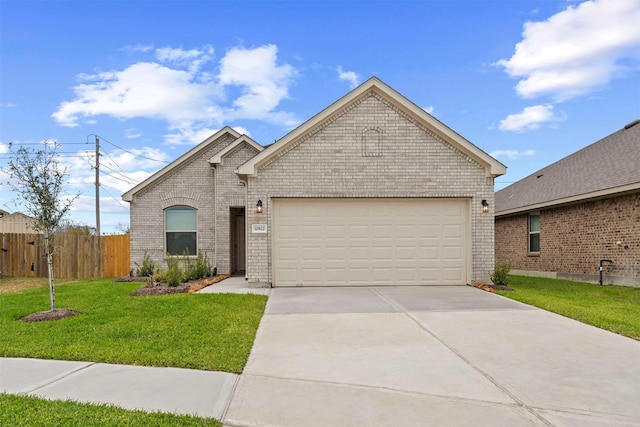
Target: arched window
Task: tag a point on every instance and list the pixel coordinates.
(181, 225)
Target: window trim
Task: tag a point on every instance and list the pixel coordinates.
(530, 233)
(165, 231)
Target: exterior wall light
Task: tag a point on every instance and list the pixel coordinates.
(485, 206)
(259, 206)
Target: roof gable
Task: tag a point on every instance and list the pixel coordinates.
(244, 139)
(186, 157)
(608, 166)
(491, 165)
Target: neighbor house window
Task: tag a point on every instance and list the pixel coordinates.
(180, 224)
(534, 232)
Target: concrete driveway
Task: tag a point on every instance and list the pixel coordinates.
(442, 356)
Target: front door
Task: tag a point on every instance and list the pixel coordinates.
(237, 241)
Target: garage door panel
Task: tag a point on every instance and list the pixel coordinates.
(452, 231)
(452, 275)
(382, 253)
(405, 230)
(358, 231)
(336, 231)
(406, 252)
(336, 253)
(358, 253)
(427, 231)
(452, 253)
(348, 242)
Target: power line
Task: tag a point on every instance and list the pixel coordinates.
(42, 143)
(132, 153)
(109, 193)
(125, 179)
(122, 172)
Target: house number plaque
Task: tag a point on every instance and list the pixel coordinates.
(258, 228)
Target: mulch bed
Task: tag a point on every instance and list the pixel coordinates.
(492, 288)
(57, 314)
(152, 288)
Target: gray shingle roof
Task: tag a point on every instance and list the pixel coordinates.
(604, 166)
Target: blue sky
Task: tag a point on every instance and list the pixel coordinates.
(526, 81)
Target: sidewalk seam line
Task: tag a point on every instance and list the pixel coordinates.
(231, 395)
(383, 388)
(520, 403)
(58, 378)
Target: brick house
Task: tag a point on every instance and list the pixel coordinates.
(563, 219)
(372, 190)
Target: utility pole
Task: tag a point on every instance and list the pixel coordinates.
(97, 186)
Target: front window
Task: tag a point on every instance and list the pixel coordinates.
(180, 228)
(534, 232)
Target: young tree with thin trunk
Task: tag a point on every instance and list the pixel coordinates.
(37, 176)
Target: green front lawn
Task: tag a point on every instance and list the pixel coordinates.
(19, 411)
(614, 308)
(209, 331)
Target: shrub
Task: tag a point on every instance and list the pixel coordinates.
(160, 276)
(500, 275)
(148, 267)
(196, 268)
(173, 274)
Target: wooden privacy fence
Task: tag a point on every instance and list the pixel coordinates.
(75, 257)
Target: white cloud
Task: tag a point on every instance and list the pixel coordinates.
(137, 159)
(193, 58)
(141, 90)
(180, 55)
(263, 83)
(109, 204)
(132, 133)
(577, 50)
(194, 135)
(4, 148)
(512, 154)
(429, 109)
(188, 135)
(530, 118)
(119, 170)
(350, 77)
(179, 90)
(131, 49)
(242, 131)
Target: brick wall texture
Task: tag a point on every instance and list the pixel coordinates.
(370, 149)
(195, 183)
(574, 238)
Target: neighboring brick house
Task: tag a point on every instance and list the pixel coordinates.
(562, 220)
(373, 190)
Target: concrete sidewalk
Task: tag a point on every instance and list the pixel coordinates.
(181, 391)
(235, 285)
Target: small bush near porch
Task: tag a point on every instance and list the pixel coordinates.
(614, 308)
(209, 332)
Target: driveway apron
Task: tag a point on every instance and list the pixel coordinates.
(416, 356)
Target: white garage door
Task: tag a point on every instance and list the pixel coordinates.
(370, 242)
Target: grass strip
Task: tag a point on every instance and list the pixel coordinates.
(613, 308)
(202, 331)
(28, 411)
